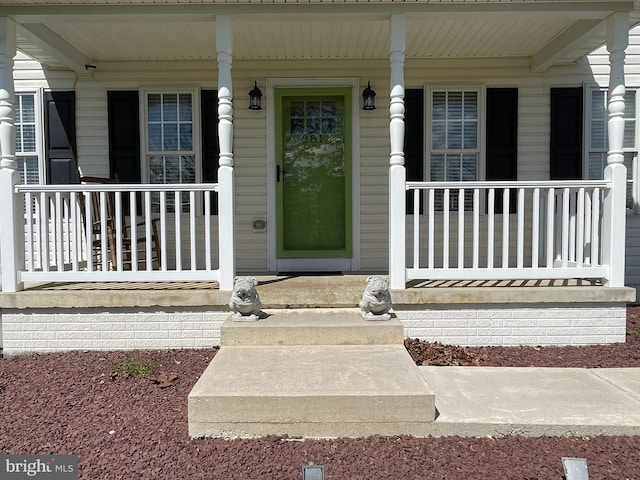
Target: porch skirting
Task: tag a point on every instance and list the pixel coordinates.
(513, 325)
(66, 329)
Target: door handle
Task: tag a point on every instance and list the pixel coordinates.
(279, 172)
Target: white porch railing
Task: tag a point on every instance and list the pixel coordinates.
(70, 237)
(553, 231)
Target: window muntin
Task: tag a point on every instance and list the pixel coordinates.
(170, 141)
(454, 148)
(599, 140)
(26, 138)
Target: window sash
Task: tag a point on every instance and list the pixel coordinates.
(26, 146)
(454, 130)
(171, 142)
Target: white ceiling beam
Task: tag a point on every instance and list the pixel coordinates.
(56, 46)
(563, 43)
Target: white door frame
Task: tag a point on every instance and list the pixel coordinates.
(313, 264)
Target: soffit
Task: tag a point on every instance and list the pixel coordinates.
(182, 32)
(282, 39)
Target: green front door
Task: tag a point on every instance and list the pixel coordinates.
(313, 172)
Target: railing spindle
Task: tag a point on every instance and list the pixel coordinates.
(535, 227)
(163, 231)
(147, 231)
(207, 229)
(476, 228)
(580, 229)
(176, 219)
(29, 218)
(432, 238)
(44, 232)
(505, 228)
(57, 244)
(551, 209)
(445, 229)
(520, 223)
(595, 227)
(104, 242)
(565, 227)
(192, 228)
(490, 226)
(461, 228)
(416, 228)
(119, 234)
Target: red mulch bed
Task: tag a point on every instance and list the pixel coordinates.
(135, 428)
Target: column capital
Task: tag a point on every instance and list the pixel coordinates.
(7, 37)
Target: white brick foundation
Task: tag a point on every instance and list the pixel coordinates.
(62, 329)
(473, 325)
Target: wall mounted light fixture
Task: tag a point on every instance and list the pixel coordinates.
(368, 98)
(255, 98)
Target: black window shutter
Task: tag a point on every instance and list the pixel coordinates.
(210, 144)
(414, 139)
(60, 137)
(566, 134)
(124, 136)
(502, 139)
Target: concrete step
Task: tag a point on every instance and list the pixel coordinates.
(321, 326)
(311, 391)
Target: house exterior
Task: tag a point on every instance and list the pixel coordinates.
(503, 145)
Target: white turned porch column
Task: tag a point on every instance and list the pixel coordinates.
(12, 211)
(397, 171)
(614, 211)
(226, 208)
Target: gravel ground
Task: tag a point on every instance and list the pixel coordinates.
(136, 428)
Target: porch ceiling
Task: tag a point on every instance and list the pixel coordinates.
(546, 33)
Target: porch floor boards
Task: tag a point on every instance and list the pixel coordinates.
(310, 291)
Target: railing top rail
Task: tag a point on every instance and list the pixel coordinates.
(119, 187)
(510, 184)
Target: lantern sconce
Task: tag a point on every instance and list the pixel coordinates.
(255, 98)
(368, 98)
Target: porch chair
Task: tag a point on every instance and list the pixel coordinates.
(112, 231)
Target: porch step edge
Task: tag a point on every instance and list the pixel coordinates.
(323, 326)
(311, 391)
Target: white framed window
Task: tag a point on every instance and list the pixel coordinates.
(171, 140)
(454, 134)
(27, 138)
(598, 141)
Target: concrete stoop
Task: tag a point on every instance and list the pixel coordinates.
(311, 373)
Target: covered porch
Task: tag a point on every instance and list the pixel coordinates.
(457, 231)
(545, 259)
